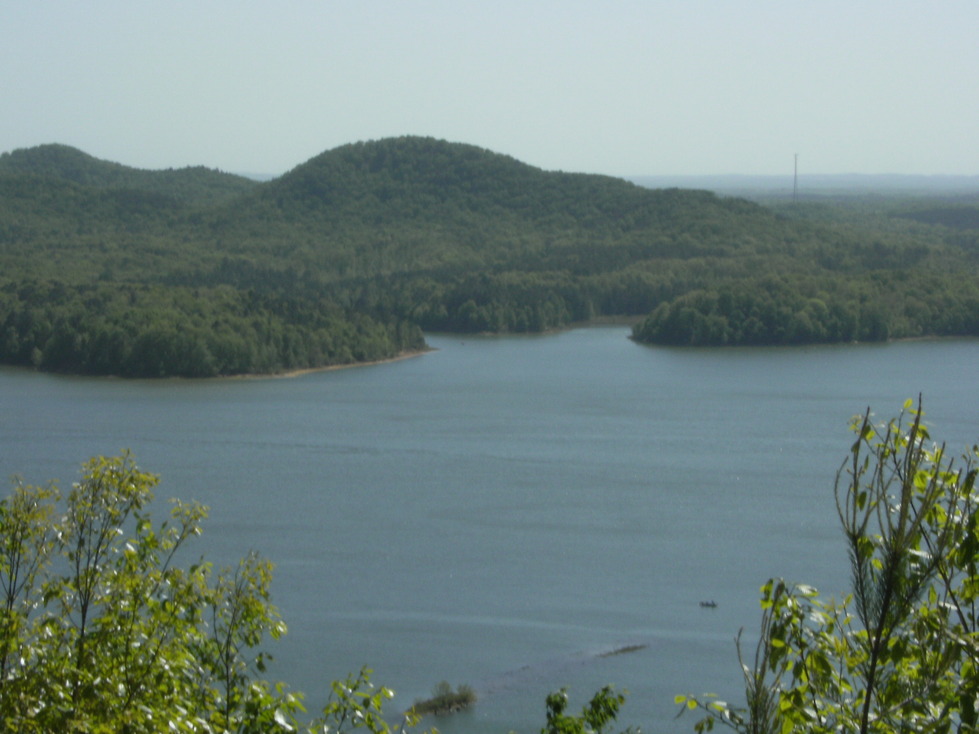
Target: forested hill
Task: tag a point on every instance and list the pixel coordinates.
(411, 205)
(107, 269)
(61, 162)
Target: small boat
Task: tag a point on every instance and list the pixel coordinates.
(711, 604)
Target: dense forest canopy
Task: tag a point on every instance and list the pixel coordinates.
(348, 257)
(61, 162)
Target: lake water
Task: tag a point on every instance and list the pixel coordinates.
(503, 511)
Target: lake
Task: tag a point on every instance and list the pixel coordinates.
(504, 511)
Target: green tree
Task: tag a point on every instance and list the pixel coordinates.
(26, 544)
(355, 703)
(595, 718)
(900, 651)
(102, 631)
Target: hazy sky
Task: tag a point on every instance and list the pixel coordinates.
(623, 88)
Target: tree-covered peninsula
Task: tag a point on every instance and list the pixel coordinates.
(106, 269)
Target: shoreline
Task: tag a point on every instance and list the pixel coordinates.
(616, 320)
(597, 322)
(326, 368)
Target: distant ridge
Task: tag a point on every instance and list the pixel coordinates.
(735, 184)
(65, 163)
(69, 164)
(419, 177)
(351, 255)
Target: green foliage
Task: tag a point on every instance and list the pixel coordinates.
(595, 717)
(354, 704)
(445, 700)
(805, 310)
(106, 269)
(153, 331)
(102, 631)
(61, 162)
(899, 652)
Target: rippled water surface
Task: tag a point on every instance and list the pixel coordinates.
(505, 512)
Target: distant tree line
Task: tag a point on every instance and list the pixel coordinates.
(152, 331)
(774, 311)
(106, 269)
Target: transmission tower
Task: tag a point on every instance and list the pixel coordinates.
(795, 180)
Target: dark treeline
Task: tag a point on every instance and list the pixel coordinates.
(778, 311)
(106, 269)
(60, 162)
(155, 331)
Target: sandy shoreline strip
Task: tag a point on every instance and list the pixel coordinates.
(326, 368)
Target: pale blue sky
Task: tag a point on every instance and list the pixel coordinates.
(622, 88)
